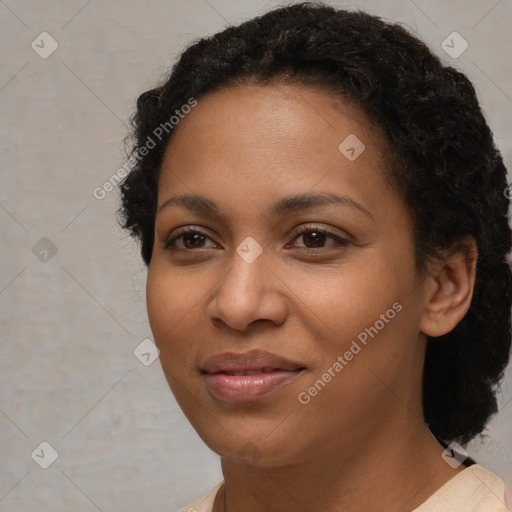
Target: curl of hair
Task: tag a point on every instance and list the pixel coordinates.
(445, 165)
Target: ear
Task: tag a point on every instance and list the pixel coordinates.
(449, 288)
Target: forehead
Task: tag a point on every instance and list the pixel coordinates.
(271, 114)
(281, 130)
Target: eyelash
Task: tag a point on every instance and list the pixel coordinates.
(340, 242)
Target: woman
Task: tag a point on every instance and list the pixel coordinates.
(323, 214)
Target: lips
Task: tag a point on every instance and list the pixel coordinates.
(249, 376)
(255, 360)
(249, 372)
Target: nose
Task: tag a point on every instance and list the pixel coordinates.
(247, 293)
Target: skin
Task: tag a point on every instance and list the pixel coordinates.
(245, 148)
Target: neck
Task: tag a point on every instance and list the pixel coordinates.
(355, 478)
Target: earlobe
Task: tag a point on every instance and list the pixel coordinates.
(451, 282)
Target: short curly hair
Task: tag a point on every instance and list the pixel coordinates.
(447, 168)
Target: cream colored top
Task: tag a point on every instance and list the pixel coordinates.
(473, 490)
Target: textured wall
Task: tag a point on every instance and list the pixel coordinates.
(72, 306)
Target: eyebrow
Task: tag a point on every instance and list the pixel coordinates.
(202, 205)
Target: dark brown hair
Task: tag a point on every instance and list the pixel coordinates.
(450, 173)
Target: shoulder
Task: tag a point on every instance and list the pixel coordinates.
(473, 490)
(205, 503)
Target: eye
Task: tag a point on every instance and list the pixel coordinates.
(190, 239)
(315, 239)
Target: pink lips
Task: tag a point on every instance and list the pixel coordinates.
(249, 376)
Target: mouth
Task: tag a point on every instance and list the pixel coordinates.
(256, 371)
(249, 376)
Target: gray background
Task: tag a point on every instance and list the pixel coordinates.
(71, 320)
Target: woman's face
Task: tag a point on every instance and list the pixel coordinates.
(328, 285)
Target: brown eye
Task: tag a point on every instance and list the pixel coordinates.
(191, 239)
(314, 238)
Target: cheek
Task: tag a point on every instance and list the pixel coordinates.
(369, 317)
(159, 303)
(349, 298)
(170, 307)
(170, 303)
